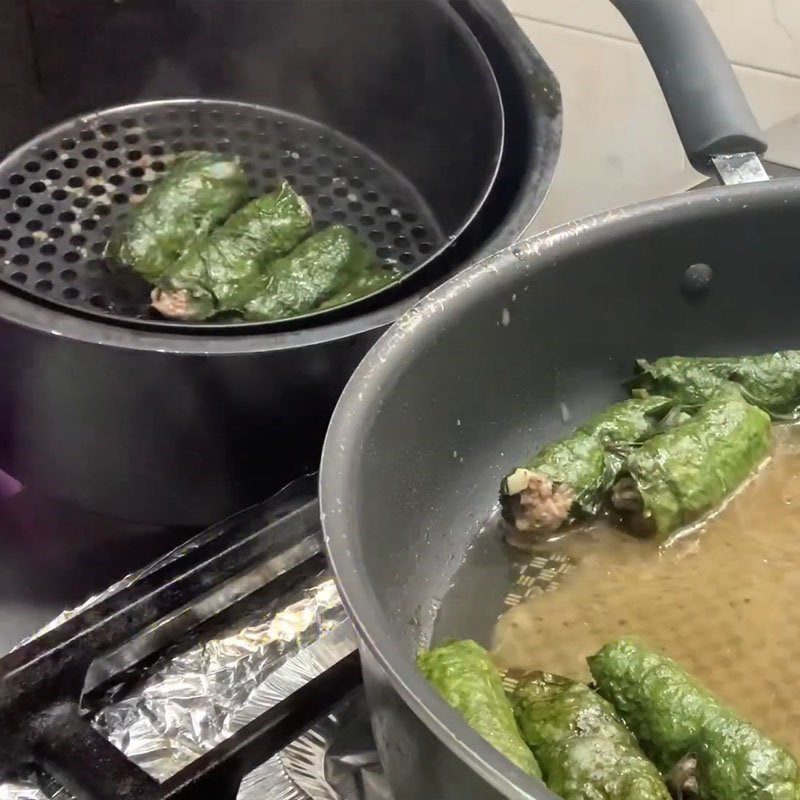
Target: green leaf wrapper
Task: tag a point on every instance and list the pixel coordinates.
(583, 747)
(316, 270)
(366, 283)
(216, 274)
(672, 716)
(678, 475)
(570, 477)
(465, 677)
(772, 382)
(199, 191)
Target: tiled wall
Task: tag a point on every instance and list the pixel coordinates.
(619, 142)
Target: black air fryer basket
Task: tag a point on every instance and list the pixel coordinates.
(327, 95)
(420, 124)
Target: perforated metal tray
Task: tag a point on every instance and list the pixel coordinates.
(62, 193)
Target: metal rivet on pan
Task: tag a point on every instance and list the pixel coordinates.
(697, 279)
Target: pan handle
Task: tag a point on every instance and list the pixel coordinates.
(710, 110)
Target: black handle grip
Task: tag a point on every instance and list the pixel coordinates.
(707, 103)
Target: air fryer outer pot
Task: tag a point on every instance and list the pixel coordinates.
(183, 430)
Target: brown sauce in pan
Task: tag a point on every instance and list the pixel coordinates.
(724, 602)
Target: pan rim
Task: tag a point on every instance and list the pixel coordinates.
(413, 332)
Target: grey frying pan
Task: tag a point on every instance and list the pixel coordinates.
(463, 385)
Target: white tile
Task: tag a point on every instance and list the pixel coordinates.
(597, 16)
(784, 142)
(772, 97)
(760, 33)
(619, 144)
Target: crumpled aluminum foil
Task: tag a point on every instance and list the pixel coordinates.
(190, 703)
(199, 698)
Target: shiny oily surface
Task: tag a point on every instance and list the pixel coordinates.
(723, 601)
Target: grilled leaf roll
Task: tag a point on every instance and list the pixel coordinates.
(672, 716)
(568, 478)
(316, 270)
(771, 382)
(199, 191)
(215, 275)
(582, 746)
(465, 677)
(676, 476)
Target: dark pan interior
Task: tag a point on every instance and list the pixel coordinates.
(478, 376)
(412, 92)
